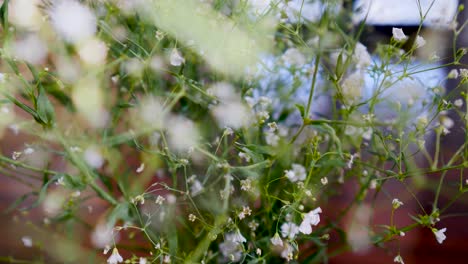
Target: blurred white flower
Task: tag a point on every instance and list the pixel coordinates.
(398, 259)
(152, 112)
(453, 74)
(93, 157)
(420, 42)
(232, 246)
(289, 230)
(25, 14)
(176, 58)
(93, 52)
(396, 203)
(232, 114)
(352, 86)
(27, 241)
(293, 57)
(72, 21)
(458, 102)
(102, 235)
(439, 234)
(183, 133)
(276, 240)
(287, 252)
(399, 35)
(196, 188)
(115, 257)
(324, 180)
(298, 173)
(142, 261)
(361, 56)
(31, 49)
(312, 218)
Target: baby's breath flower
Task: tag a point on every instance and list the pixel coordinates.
(160, 200)
(253, 225)
(458, 102)
(72, 20)
(312, 218)
(140, 168)
(192, 217)
(246, 185)
(289, 230)
(288, 252)
(138, 199)
(276, 240)
(258, 251)
(244, 156)
(324, 180)
(399, 35)
(106, 249)
(453, 74)
(298, 173)
(272, 126)
(246, 211)
(464, 73)
(115, 257)
(398, 259)
(439, 234)
(396, 203)
(176, 58)
(142, 261)
(420, 42)
(27, 241)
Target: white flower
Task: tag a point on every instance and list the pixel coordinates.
(93, 157)
(160, 200)
(232, 246)
(183, 133)
(464, 73)
(30, 48)
(289, 230)
(453, 74)
(439, 234)
(27, 241)
(28, 151)
(398, 259)
(361, 56)
(176, 58)
(324, 180)
(352, 86)
(276, 240)
(310, 219)
(458, 103)
(293, 57)
(72, 20)
(142, 261)
(420, 42)
(396, 203)
(399, 35)
(140, 168)
(244, 156)
(93, 52)
(232, 114)
(196, 188)
(25, 13)
(298, 173)
(246, 185)
(115, 257)
(287, 252)
(237, 237)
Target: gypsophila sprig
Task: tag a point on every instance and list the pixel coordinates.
(260, 131)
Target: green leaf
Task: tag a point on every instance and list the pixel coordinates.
(17, 203)
(44, 108)
(301, 109)
(4, 15)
